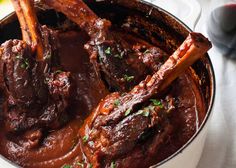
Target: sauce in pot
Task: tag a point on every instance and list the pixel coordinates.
(62, 147)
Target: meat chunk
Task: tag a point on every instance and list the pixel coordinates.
(32, 97)
(36, 93)
(16, 68)
(118, 140)
(125, 127)
(111, 57)
(47, 114)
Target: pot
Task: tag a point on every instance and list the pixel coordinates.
(154, 25)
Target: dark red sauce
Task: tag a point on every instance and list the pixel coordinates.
(61, 147)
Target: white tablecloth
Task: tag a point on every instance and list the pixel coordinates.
(220, 147)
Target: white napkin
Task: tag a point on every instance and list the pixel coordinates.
(220, 147)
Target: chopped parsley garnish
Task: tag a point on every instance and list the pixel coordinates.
(58, 71)
(128, 78)
(120, 55)
(127, 112)
(18, 57)
(48, 56)
(25, 64)
(156, 103)
(67, 166)
(113, 165)
(139, 112)
(85, 138)
(46, 80)
(80, 164)
(117, 102)
(108, 50)
(147, 51)
(145, 113)
(123, 94)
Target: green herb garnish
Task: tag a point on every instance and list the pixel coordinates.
(48, 56)
(67, 166)
(120, 55)
(90, 165)
(46, 80)
(85, 138)
(156, 103)
(128, 78)
(127, 112)
(147, 51)
(18, 57)
(58, 71)
(145, 113)
(25, 61)
(139, 112)
(108, 50)
(117, 102)
(25, 64)
(80, 164)
(113, 165)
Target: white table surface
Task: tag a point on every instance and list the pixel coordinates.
(220, 147)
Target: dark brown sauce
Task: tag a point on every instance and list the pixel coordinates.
(62, 146)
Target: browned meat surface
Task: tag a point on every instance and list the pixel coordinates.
(110, 55)
(121, 123)
(22, 75)
(124, 141)
(36, 94)
(52, 80)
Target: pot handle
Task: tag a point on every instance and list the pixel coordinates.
(188, 11)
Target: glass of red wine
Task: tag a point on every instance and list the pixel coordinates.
(221, 27)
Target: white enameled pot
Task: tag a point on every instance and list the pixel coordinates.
(188, 156)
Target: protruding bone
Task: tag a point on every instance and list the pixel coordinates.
(109, 115)
(193, 48)
(29, 25)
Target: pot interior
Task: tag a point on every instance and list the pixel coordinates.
(147, 22)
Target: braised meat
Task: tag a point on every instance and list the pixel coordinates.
(50, 84)
(36, 92)
(123, 122)
(122, 67)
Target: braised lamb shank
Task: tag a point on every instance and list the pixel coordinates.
(36, 91)
(127, 129)
(120, 65)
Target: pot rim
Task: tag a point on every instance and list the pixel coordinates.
(211, 102)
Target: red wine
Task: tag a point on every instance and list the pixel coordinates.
(221, 28)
